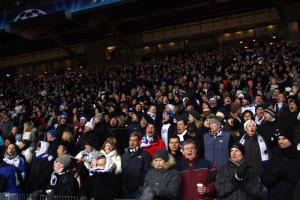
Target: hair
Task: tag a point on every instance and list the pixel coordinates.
(189, 141)
(182, 119)
(173, 137)
(112, 141)
(28, 126)
(137, 134)
(69, 133)
(101, 157)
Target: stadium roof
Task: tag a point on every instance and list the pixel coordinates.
(118, 18)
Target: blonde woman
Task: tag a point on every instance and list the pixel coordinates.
(109, 149)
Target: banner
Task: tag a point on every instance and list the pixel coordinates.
(70, 6)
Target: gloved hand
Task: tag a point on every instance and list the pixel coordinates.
(241, 171)
(148, 194)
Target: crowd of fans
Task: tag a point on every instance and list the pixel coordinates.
(223, 124)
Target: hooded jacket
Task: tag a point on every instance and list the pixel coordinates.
(164, 183)
(40, 169)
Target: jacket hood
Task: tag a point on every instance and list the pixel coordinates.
(169, 164)
(44, 146)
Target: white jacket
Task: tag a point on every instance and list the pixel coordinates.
(116, 158)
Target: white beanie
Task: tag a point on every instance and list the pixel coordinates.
(247, 122)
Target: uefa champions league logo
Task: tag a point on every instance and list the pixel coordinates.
(30, 13)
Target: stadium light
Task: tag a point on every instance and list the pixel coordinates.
(7, 75)
(274, 37)
(241, 42)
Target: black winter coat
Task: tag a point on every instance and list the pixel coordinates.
(63, 184)
(134, 168)
(229, 188)
(283, 173)
(268, 130)
(39, 174)
(102, 185)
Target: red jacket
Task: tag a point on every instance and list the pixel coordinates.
(155, 145)
(194, 172)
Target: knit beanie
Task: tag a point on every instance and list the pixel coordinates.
(247, 122)
(53, 133)
(161, 153)
(239, 146)
(270, 111)
(65, 160)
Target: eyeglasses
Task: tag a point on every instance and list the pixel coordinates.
(189, 148)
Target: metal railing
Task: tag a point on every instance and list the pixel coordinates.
(14, 196)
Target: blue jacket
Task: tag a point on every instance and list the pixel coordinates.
(217, 148)
(12, 178)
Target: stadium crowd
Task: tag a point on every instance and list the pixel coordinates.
(223, 124)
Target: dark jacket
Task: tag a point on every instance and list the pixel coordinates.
(87, 137)
(102, 185)
(135, 165)
(283, 173)
(164, 182)
(269, 130)
(63, 184)
(253, 153)
(194, 172)
(230, 188)
(40, 172)
(53, 148)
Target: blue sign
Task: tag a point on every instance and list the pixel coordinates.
(70, 6)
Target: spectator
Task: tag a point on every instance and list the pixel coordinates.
(238, 181)
(283, 173)
(62, 182)
(10, 178)
(109, 150)
(174, 148)
(11, 157)
(194, 170)
(162, 181)
(40, 169)
(256, 150)
(63, 124)
(135, 164)
(151, 141)
(88, 135)
(216, 144)
(26, 150)
(53, 141)
(87, 154)
(168, 126)
(269, 128)
(102, 182)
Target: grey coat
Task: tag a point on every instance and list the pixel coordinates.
(229, 188)
(161, 184)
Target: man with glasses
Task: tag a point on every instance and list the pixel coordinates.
(197, 174)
